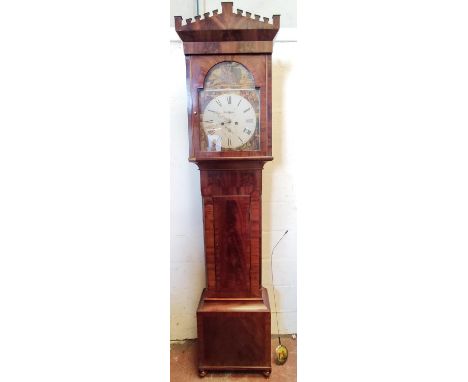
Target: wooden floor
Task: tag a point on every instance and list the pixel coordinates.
(184, 365)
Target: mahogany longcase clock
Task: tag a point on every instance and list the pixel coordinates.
(228, 70)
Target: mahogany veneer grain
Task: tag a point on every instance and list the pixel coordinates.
(233, 317)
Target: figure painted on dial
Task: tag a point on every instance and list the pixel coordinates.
(229, 122)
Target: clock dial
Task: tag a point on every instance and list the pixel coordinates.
(229, 121)
(229, 105)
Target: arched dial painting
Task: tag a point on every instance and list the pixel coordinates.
(230, 107)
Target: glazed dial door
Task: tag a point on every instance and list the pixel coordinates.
(230, 109)
(229, 121)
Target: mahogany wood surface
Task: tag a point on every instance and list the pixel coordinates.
(227, 26)
(234, 334)
(232, 228)
(232, 250)
(233, 317)
(228, 47)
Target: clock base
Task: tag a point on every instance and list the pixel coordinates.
(234, 334)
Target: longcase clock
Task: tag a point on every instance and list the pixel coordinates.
(228, 71)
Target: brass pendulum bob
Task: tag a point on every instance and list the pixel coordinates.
(281, 353)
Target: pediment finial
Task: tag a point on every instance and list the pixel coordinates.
(226, 6)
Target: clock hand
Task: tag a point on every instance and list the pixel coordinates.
(226, 122)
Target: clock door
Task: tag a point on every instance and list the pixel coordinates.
(232, 238)
(228, 111)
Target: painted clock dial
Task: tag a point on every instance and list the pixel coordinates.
(229, 121)
(230, 109)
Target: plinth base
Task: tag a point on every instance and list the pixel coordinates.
(234, 334)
